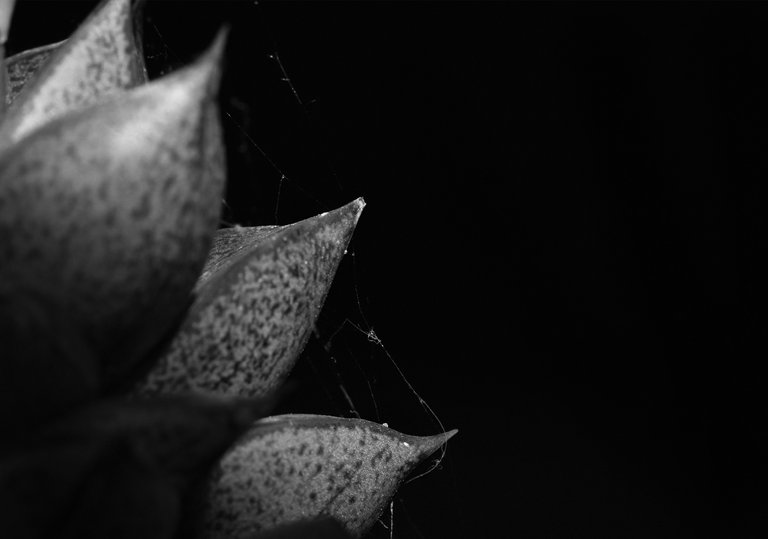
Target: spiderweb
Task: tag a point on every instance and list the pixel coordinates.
(346, 368)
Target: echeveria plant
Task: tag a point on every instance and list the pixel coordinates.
(142, 348)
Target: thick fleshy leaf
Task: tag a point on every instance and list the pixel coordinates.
(85, 488)
(100, 58)
(293, 467)
(230, 242)
(181, 435)
(256, 305)
(46, 366)
(38, 482)
(114, 208)
(124, 497)
(6, 12)
(22, 66)
(117, 469)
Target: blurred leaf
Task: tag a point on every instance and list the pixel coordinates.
(101, 57)
(320, 528)
(119, 468)
(292, 467)
(255, 308)
(22, 66)
(182, 436)
(46, 366)
(114, 207)
(229, 242)
(123, 497)
(40, 481)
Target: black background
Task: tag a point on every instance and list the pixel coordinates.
(562, 249)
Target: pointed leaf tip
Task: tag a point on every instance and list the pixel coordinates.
(255, 308)
(115, 205)
(298, 466)
(357, 206)
(432, 443)
(207, 68)
(215, 51)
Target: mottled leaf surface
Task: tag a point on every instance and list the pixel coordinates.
(229, 242)
(292, 467)
(115, 207)
(22, 66)
(255, 307)
(100, 58)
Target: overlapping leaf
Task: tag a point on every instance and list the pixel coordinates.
(100, 58)
(75, 476)
(114, 207)
(109, 198)
(257, 302)
(302, 466)
(22, 67)
(181, 435)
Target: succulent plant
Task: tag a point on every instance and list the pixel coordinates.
(142, 348)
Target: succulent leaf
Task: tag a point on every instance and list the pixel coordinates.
(180, 435)
(21, 68)
(229, 242)
(37, 483)
(100, 58)
(134, 499)
(115, 207)
(292, 467)
(133, 460)
(109, 198)
(255, 308)
(49, 490)
(46, 366)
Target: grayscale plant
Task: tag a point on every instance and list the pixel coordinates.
(142, 348)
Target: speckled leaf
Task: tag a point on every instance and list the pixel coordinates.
(255, 308)
(229, 242)
(115, 207)
(100, 58)
(293, 467)
(22, 66)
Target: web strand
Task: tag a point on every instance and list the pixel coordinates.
(364, 327)
(282, 176)
(285, 78)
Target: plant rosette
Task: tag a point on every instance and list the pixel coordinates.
(143, 347)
